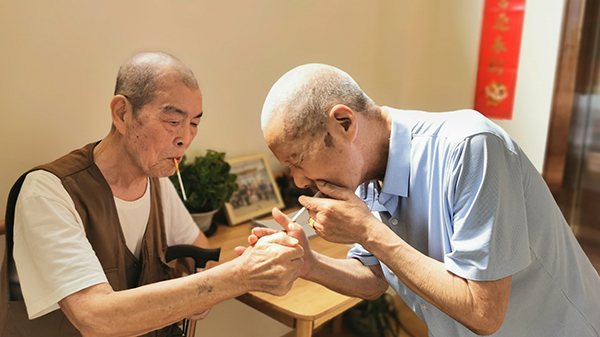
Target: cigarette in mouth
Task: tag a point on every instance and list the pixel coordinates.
(179, 176)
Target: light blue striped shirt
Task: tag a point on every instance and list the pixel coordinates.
(460, 190)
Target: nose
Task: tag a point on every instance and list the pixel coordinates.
(301, 180)
(185, 135)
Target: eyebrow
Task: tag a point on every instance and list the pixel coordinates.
(172, 109)
(292, 159)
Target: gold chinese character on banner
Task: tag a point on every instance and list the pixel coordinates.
(495, 93)
(503, 4)
(498, 45)
(502, 21)
(496, 66)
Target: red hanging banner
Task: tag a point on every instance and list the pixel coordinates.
(499, 57)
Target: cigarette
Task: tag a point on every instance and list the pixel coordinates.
(318, 194)
(179, 176)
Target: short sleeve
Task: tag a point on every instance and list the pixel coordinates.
(489, 238)
(52, 254)
(179, 225)
(361, 254)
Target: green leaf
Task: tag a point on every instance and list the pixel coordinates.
(207, 180)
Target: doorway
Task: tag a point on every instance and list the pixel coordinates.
(572, 164)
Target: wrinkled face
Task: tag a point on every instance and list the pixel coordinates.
(164, 128)
(328, 157)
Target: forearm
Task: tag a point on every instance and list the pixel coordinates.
(147, 308)
(480, 306)
(349, 277)
(270, 266)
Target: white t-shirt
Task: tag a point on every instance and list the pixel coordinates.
(53, 256)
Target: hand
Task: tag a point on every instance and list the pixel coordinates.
(272, 264)
(340, 218)
(294, 231)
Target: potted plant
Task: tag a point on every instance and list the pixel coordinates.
(208, 184)
(376, 318)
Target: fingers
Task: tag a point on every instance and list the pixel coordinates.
(259, 232)
(282, 219)
(280, 238)
(334, 191)
(316, 226)
(239, 250)
(262, 232)
(316, 203)
(311, 223)
(289, 244)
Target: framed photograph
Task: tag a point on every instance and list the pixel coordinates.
(258, 192)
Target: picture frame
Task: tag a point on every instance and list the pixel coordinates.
(258, 192)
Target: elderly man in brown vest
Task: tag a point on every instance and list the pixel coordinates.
(90, 229)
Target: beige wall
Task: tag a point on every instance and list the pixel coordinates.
(59, 60)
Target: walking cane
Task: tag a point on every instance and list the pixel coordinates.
(201, 256)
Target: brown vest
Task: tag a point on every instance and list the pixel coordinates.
(94, 202)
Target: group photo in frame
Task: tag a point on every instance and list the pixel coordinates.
(258, 192)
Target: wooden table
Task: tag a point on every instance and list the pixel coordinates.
(307, 305)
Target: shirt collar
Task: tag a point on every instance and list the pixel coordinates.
(397, 172)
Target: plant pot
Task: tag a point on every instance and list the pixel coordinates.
(204, 220)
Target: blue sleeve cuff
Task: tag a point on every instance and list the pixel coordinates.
(361, 254)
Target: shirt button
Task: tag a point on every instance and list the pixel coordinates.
(424, 306)
(394, 221)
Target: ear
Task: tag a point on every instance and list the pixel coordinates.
(119, 106)
(345, 120)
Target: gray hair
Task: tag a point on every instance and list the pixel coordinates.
(304, 95)
(140, 77)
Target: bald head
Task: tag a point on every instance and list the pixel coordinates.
(304, 95)
(140, 77)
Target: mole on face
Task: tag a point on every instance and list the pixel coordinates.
(328, 140)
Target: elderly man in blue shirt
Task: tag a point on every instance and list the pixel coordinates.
(444, 207)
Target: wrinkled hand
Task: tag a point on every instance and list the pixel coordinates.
(342, 217)
(294, 231)
(272, 264)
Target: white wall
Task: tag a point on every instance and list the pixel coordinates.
(59, 59)
(535, 82)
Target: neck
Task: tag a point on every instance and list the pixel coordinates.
(380, 130)
(125, 179)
